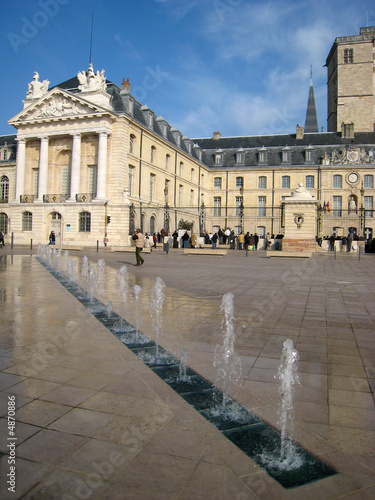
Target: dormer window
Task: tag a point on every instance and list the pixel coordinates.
(286, 155)
(263, 155)
(309, 155)
(198, 151)
(163, 125)
(4, 153)
(240, 156)
(148, 114)
(219, 157)
(176, 136)
(187, 142)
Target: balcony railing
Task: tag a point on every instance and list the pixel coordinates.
(55, 198)
(85, 197)
(27, 198)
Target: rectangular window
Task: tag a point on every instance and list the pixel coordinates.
(262, 156)
(286, 156)
(261, 206)
(337, 206)
(93, 173)
(308, 155)
(217, 183)
(368, 203)
(85, 222)
(217, 206)
(167, 157)
(152, 186)
(337, 181)
(27, 221)
(348, 56)
(240, 157)
(262, 182)
(368, 181)
(179, 195)
(65, 180)
(285, 182)
(239, 204)
(36, 181)
(261, 231)
(218, 159)
(310, 182)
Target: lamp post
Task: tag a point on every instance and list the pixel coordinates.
(241, 209)
(363, 212)
(166, 212)
(201, 218)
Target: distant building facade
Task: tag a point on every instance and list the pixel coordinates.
(90, 162)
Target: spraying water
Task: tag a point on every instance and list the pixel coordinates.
(122, 287)
(183, 377)
(137, 291)
(100, 278)
(287, 374)
(226, 360)
(109, 309)
(156, 307)
(85, 273)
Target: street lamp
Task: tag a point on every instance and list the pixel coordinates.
(166, 211)
(363, 213)
(201, 217)
(241, 209)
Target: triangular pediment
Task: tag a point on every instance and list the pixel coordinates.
(55, 105)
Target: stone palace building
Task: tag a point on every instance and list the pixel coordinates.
(90, 162)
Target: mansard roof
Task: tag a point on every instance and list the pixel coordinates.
(11, 143)
(320, 143)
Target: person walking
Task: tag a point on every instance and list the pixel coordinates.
(256, 241)
(227, 236)
(252, 242)
(154, 239)
(138, 239)
(147, 244)
(349, 241)
(332, 242)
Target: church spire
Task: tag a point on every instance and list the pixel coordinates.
(311, 122)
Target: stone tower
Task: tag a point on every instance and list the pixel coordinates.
(351, 81)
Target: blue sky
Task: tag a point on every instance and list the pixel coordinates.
(238, 66)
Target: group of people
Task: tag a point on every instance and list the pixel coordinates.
(347, 242)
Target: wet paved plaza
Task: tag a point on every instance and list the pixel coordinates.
(92, 421)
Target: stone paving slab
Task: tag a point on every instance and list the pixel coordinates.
(93, 421)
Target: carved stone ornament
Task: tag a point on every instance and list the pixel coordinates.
(58, 106)
(351, 155)
(89, 81)
(36, 88)
(299, 220)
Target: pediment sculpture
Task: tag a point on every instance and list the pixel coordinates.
(36, 88)
(58, 106)
(89, 81)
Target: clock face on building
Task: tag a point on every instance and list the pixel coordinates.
(353, 177)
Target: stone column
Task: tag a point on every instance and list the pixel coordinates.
(20, 168)
(76, 167)
(43, 168)
(102, 167)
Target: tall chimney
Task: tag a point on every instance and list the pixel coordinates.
(216, 135)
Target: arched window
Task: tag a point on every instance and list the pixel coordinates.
(167, 159)
(153, 154)
(27, 221)
(4, 223)
(131, 143)
(152, 224)
(262, 182)
(4, 189)
(285, 181)
(181, 169)
(85, 222)
(310, 182)
(239, 182)
(217, 183)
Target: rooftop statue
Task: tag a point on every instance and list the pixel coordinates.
(36, 88)
(90, 81)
